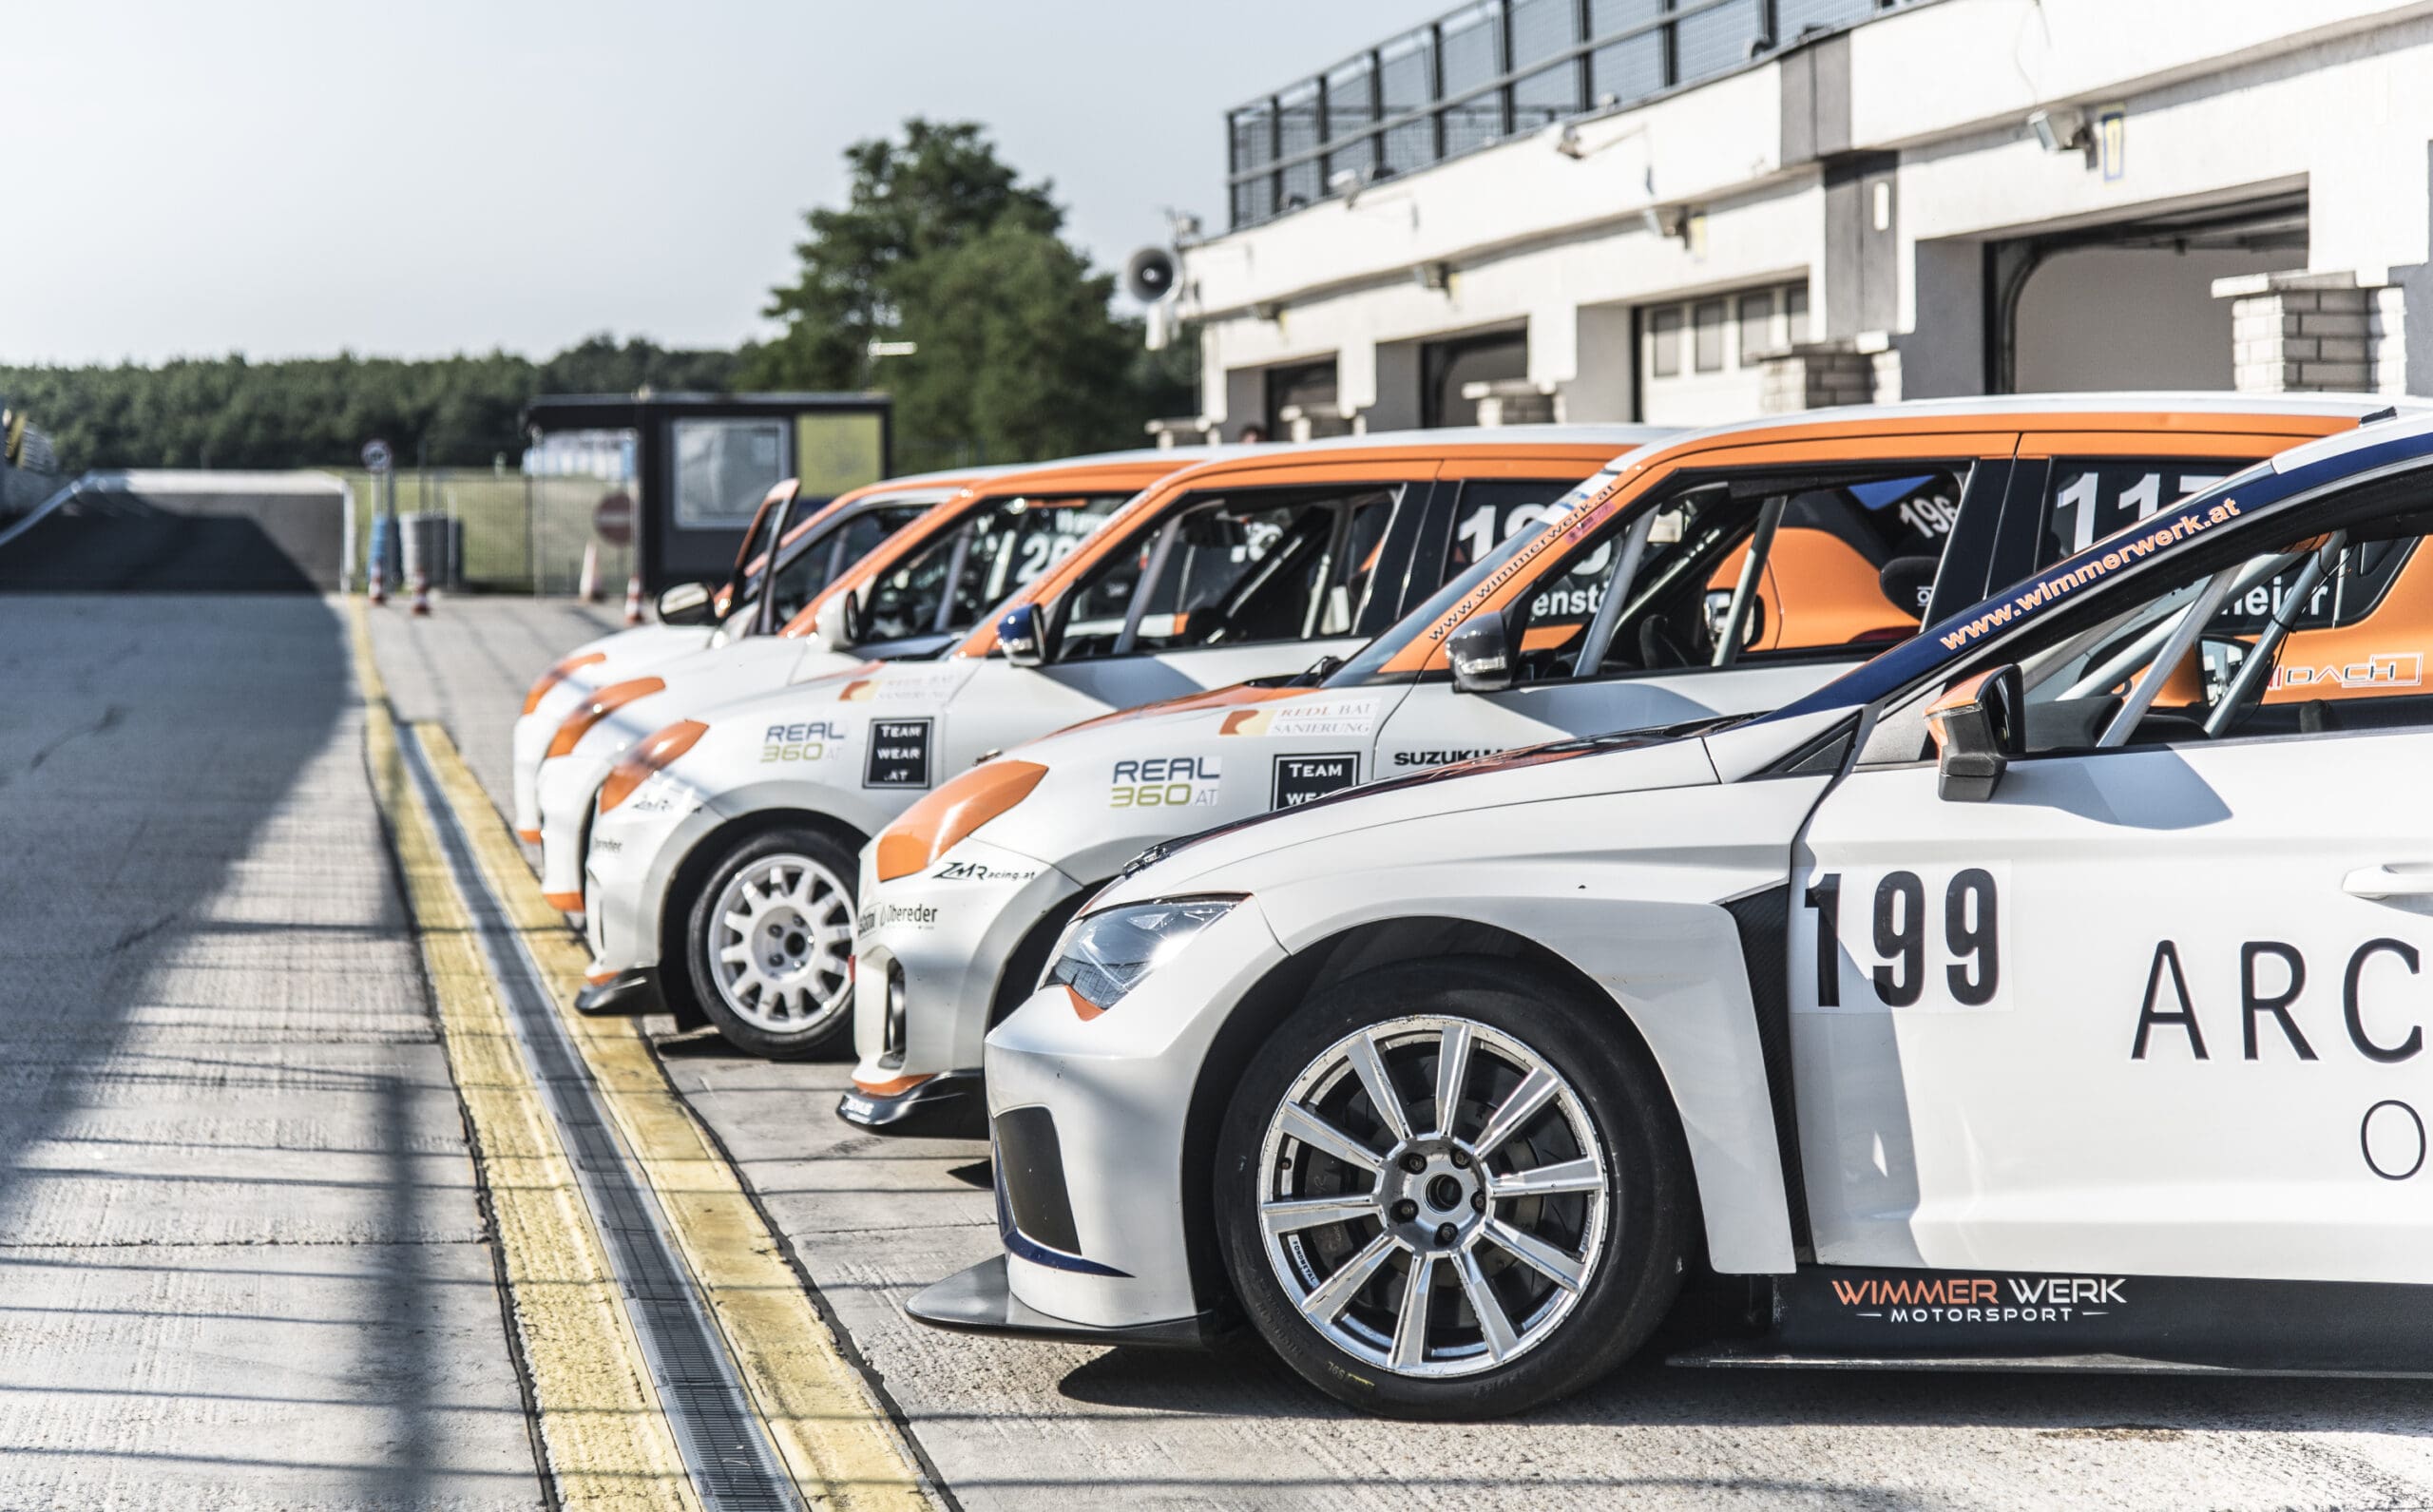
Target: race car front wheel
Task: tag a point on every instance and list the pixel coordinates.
(769, 944)
(1447, 1189)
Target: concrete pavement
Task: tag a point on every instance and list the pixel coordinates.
(242, 1259)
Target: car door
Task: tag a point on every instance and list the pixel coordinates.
(1620, 632)
(2157, 1008)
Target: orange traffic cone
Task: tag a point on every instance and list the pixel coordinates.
(634, 599)
(422, 595)
(587, 586)
(379, 582)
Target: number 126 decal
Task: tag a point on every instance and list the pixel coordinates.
(1931, 942)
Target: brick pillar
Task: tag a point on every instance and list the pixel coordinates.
(1815, 375)
(2300, 332)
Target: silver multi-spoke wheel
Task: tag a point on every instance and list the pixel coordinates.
(1432, 1197)
(781, 943)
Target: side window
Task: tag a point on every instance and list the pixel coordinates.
(2089, 498)
(1010, 548)
(904, 599)
(1488, 514)
(1234, 570)
(958, 575)
(818, 563)
(2323, 632)
(1802, 568)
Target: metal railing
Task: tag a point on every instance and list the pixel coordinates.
(1489, 70)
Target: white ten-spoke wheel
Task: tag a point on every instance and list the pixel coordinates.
(1433, 1196)
(1452, 1188)
(781, 943)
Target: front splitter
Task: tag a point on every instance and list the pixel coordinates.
(982, 1300)
(951, 1106)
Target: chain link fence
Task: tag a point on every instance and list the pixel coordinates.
(520, 534)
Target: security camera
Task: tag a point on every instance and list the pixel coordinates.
(2060, 128)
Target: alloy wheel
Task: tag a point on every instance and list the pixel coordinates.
(781, 943)
(1433, 1197)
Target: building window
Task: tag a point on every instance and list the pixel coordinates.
(1664, 335)
(1795, 312)
(1756, 324)
(1708, 317)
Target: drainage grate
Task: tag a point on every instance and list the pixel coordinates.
(733, 1466)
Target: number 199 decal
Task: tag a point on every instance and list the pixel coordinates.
(1929, 942)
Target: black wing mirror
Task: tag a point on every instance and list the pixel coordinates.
(1482, 656)
(1978, 727)
(687, 603)
(1021, 630)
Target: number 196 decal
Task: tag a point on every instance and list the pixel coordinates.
(1922, 941)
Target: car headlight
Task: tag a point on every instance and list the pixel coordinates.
(1108, 954)
(648, 759)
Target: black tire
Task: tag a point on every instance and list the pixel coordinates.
(1631, 1279)
(699, 976)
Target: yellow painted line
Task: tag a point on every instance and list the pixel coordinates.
(607, 1441)
(837, 1442)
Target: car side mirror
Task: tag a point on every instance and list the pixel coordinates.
(1023, 631)
(1978, 727)
(1482, 656)
(838, 623)
(687, 603)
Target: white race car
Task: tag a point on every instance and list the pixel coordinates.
(1874, 506)
(912, 595)
(2048, 990)
(722, 858)
(815, 541)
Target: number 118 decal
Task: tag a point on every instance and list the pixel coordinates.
(1922, 941)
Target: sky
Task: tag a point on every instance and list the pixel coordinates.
(288, 177)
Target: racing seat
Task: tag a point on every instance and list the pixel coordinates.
(1657, 647)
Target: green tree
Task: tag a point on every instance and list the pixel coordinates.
(1016, 354)
(230, 412)
(939, 187)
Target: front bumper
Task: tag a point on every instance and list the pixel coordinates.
(982, 1300)
(621, 994)
(528, 745)
(635, 850)
(1095, 1156)
(568, 785)
(949, 930)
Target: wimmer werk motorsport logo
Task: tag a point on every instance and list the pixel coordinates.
(1980, 1298)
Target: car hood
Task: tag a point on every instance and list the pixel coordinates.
(1621, 764)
